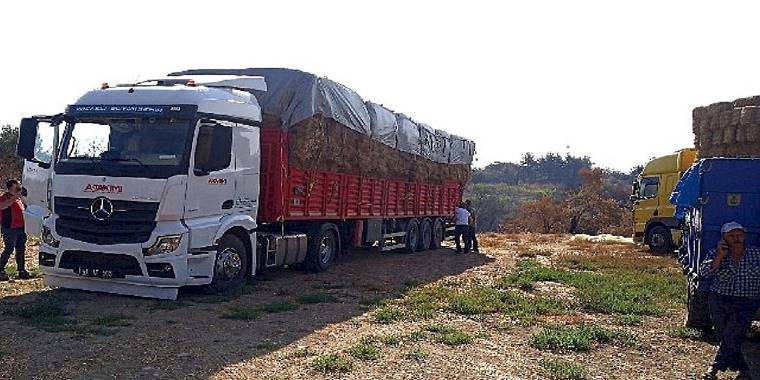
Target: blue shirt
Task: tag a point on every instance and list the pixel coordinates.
(740, 279)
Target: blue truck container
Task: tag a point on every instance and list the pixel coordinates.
(712, 192)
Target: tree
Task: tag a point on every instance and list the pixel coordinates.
(10, 164)
(591, 210)
(544, 215)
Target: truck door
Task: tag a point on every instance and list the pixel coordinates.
(247, 158)
(36, 178)
(211, 182)
(667, 209)
(647, 202)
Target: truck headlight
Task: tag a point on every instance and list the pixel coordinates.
(164, 244)
(48, 238)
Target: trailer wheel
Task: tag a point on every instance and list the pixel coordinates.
(660, 240)
(412, 237)
(231, 261)
(437, 234)
(322, 249)
(426, 235)
(697, 308)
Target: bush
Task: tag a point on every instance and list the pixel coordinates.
(563, 370)
(577, 338)
(332, 363)
(364, 351)
(388, 314)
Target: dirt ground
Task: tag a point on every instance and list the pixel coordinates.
(190, 339)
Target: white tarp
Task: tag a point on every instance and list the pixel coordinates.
(443, 148)
(382, 123)
(462, 150)
(408, 135)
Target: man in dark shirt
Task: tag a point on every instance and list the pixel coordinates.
(12, 207)
(473, 226)
(734, 296)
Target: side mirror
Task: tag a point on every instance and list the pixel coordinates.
(200, 172)
(27, 138)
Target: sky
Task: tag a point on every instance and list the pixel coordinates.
(612, 80)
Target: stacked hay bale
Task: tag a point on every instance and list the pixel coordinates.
(331, 128)
(728, 129)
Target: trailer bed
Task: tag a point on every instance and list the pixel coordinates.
(289, 193)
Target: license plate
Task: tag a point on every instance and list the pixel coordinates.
(95, 272)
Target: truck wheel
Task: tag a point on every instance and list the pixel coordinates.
(697, 309)
(323, 247)
(230, 266)
(426, 235)
(660, 240)
(437, 234)
(412, 235)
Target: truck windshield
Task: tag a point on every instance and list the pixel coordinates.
(152, 148)
(648, 187)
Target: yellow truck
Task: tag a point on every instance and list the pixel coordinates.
(654, 223)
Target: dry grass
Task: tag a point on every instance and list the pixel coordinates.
(391, 316)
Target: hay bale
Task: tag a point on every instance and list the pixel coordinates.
(716, 108)
(717, 137)
(749, 101)
(323, 144)
(699, 113)
(747, 115)
(729, 135)
(753, 134)
(724, 120)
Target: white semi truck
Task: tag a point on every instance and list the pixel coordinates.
(144, 188)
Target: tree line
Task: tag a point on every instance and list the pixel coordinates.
(552, 193)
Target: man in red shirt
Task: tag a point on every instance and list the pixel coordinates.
(12, 207)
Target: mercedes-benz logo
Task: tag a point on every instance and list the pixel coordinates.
(101, 208)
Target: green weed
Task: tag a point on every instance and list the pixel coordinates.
(563, 370)
(332, 363)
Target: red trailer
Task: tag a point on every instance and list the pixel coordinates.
(289, 193)
(367, 209)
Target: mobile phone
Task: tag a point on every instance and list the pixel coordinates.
(23, 191)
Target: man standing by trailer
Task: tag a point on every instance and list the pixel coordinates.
(462, 228)
(473, 227)
(12, 207)
(734, 296)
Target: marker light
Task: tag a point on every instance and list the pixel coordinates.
(104, 86)
(190, 83)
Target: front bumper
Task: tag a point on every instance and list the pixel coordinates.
(122, 268)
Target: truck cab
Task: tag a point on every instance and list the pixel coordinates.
(144, 188)
(654, 216)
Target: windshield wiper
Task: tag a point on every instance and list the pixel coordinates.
(131, 159)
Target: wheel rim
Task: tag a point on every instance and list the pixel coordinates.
(658, 240)
(228, 264)
(413, 236)
(426, 235)
(437, 233)
(325, 249)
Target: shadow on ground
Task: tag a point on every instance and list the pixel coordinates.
(190, 338)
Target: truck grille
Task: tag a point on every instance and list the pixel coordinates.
(131, 222)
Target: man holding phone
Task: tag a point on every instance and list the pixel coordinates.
(12, 205)
(734, 296)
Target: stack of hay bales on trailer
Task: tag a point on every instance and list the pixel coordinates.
(331, 128)
(728, 129)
